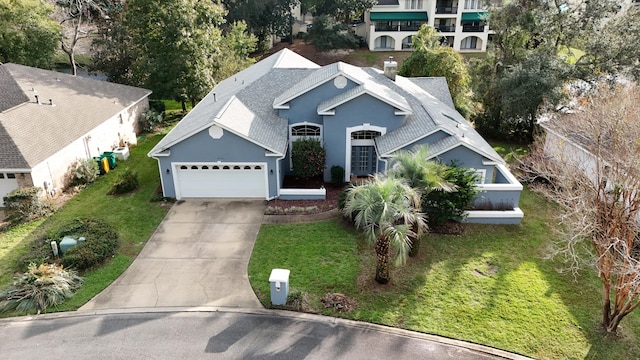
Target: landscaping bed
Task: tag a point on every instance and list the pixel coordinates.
(492, 285)
(297, 207)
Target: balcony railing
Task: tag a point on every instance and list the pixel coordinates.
(385, 26)
(472, 28)
(411, 27)
(446, 9)
(446, 28)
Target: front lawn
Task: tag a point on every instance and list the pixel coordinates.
(133, 216)
(491, 286)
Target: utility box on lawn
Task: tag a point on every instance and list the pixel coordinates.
(67, 243)
(279, 281)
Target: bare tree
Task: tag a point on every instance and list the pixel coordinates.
(75, 17)
(589, 165)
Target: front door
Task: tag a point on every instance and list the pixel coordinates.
(363, 160)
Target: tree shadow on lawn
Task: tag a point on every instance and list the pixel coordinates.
(494, 286)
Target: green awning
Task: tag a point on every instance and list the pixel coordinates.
(475, 16)
(399, 16)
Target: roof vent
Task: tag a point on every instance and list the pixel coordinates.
(390, 68)
(51, 102)
(37, 100)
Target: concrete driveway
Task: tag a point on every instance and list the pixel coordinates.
(198, 256)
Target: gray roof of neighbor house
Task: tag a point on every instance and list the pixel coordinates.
(31, 132)
(246, 104)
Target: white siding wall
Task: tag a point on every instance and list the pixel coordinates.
(103, 138)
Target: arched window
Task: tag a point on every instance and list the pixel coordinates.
(183, 167)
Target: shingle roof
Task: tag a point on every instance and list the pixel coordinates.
(247, 104)
(11, 94)
(31, 132)
(227, 92)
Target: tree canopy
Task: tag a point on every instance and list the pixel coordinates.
(537, 47)
(28, 36)
(263, 17)
(177, 51)
(342, 10)
(431, 59)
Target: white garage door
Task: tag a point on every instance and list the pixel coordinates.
(8, 183)
(241, 180)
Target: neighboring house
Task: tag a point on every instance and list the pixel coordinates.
(49, 119)
(391, 24)
(237, 141)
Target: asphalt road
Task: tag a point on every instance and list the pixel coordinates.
(215, 335)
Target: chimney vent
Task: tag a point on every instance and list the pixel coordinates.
(214, 97)
(51, 102)
(390, 68)
(37, 100)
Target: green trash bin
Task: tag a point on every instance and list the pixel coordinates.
(112, 157)
(98, 160)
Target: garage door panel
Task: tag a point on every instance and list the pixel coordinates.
(211, 180)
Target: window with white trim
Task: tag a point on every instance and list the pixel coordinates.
(413, 4)
(481, 175)
(303, 131)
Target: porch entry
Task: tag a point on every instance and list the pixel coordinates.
(363, 152)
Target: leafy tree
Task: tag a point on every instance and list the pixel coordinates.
(237, 45)
(27, 34)
(308, 158)
(599, 196)
(263, 17)
(343, 10)
(422, 175)
(42, 286)
(328, 34)
(113, 51)
(179, 46)
(529, 56)
(431, 59)
(386, 209)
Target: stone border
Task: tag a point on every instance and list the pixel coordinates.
(300, 218)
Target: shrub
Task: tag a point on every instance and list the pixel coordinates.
(81, 172)
(329, 34)
(157, 105)
(337, 175)
(39, 288)
(127, 182)
(24, 204)
(308, 157)
(442, 206)
(150, 119)
(39, 252)
(101, 243)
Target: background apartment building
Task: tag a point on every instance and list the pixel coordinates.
(391, 24)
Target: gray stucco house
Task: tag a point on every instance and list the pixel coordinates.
(236, 142)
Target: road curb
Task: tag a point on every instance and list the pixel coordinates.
(483, 349)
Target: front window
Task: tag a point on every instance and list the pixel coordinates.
(470, 42)
(364, 135)
(303, 131)
(472, 4)
(413, 4)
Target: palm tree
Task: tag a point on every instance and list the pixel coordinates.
(386, 208)
(423, 175)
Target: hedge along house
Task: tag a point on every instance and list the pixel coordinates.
(49, 119)
(237, 141)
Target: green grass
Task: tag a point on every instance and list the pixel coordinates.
(292, 246)
(133, 215)
(172, 105)
(493, 286)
